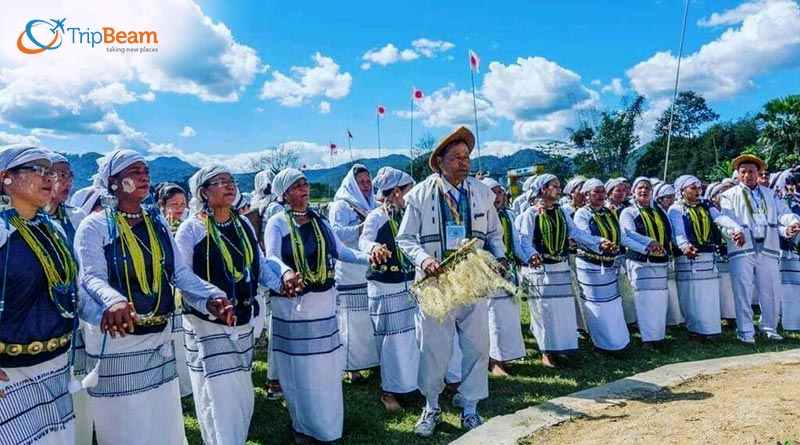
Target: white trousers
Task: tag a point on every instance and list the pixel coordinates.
(751, 274)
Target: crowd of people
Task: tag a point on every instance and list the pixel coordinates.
(121, 298)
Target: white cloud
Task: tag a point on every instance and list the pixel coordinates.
(596, 82)
(187, 132)
(110, 94)
(324, 107)
(448, 107)
(614, 87)
(324, 79)
(148, 96)
(390, 54)
(10, 138)
(539, 96)
(768, 39)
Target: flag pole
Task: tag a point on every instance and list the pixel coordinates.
(378, 118)
(350, 146)
(675, 92)
(411, 146)
(475, 109)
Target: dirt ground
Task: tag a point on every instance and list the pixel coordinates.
(743, 406)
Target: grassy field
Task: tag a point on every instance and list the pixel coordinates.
(366, 422)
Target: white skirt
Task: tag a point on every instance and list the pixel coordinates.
(37, 408)
(576, 291)
(626, 292)
(219, 367)
(602, 305)
(138, 382)
(552, 307)
(651, 296)
(355, 327)
(307, 352)
(84, 425)
(505, 329)
(392, 309)
(727, 309)
(790, 293)
(698, 292)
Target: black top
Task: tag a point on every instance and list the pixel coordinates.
(399, 268)
(640, 228)
(311, 250)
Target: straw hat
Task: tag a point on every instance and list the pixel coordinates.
(461, 133)
(749, 159)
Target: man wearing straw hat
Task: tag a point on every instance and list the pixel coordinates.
(442, 211)
(755, 264)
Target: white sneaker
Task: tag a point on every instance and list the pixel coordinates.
(745, 339)
(772, 335)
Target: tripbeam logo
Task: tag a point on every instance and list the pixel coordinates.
(47, 35)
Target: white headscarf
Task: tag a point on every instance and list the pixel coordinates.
(198, 179)
(18, 154)
(591, 184)
(349, 191)
(491, 183)
(663, 189)
(541, 182)
(283, 180)
(641, 179)
(113, 163)
(611, 183)
(684, 181)
(58, 157)
(713, 189)
(528, 183)
(259, 199)
(389, 178)
(86, 198)
(573, 184)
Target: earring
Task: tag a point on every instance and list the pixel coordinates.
(7, 181)
(114, 187)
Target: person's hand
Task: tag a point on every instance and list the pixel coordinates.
(431, 267)
(608, 247)
(118, 319)
(501, 266)
(690, 251)
(380, 254)
(794, 228)
(292, 283)
(655, 248)
(3, 378)
(222, 309)
(535, 261)
(738, 238)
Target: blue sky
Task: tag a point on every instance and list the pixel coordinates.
(245, 76)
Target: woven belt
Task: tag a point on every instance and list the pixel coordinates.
(595, 257)
(155, 320)
(555, 258)
(35, 347)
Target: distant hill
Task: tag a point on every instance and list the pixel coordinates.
(161, 169)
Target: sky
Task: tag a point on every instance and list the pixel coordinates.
(231, 80)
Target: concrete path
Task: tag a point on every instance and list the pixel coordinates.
(505, 430)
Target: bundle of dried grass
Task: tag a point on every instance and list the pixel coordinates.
(468, 275)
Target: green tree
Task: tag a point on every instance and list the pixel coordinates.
(779, 123)
(560, 166)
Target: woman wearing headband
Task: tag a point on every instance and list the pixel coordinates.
(573, 200)
(306, 345)
(664, 195)
(37, 305)
(391, 305)
(727, 308)
(647, 268)
(128, 268)
(692, 221)
(544, 231)
(220, 246)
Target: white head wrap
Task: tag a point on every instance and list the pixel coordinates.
(349, 191)
(491, 183)
(260, 200)
(283, 180)
(541, 182)
(86, 198)
(591, 184)
(573, 184)
(663, 189)
(611, 183)
(113, 163)
(684, 181)
(58, 157)
(728, 182)
(528, 183)
(197, 180)
(641, 179)
(242, 200)
(18, 154)
(388, 178)
(713, 189)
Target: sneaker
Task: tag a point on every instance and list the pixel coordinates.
(274, 391)
(470, 421)
(426, 425)
(772, 335)
(745, 339)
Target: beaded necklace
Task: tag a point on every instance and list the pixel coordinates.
(508, 236)
(246, 249)
(66, 224)
(608, 224)
(320, 274)
(553, 231)
(131, 248)
(393, 213)
(700, 221)
(653, 224)
(61, 277)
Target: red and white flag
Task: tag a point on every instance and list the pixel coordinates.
(417, 94)
(474, 61)
(333, 148)
(381, 110)
(303, 167)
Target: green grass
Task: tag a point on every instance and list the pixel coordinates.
(366, 422)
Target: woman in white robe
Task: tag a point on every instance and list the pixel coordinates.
(727, 308)
(664, 195)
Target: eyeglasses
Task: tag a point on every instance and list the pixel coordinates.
(223, 183)
(39, 170)
(65, 175)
